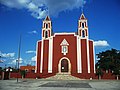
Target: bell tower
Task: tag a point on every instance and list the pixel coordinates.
(46, 28)
(83, 27)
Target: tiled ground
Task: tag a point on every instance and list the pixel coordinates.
(68, 84)
(32, 84)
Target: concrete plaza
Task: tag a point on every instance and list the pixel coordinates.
(40, 84)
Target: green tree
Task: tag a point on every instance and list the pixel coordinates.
(109, 60)
(116, 67)
(23, 73)
(99, 71)
(1, 69)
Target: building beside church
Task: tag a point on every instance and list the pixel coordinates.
(65, 53)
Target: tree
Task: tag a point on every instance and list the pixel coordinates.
(109, 60)
(99, 71)
(23, 73)
(0, 69)
(116, 67)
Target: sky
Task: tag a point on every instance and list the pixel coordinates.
(24, 17)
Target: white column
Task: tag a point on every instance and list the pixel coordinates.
(79, 66)
(41, 63)
(50, 55)
(88, 56)
(36, 56)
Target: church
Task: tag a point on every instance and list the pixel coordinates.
(65, 53)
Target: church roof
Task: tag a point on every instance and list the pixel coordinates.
(82, 16)
(47, 18)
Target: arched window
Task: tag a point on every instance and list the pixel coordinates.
(46, 25)
(46, 34)
(83, 33)
(83, 25)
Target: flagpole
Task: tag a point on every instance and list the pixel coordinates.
(19, 49)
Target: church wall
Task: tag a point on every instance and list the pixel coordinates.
(84, 56)
(72, 55)
(91, 56)
(57, 55)
(45, 56)
(38, 56)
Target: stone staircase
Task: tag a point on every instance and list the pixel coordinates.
(63, 76)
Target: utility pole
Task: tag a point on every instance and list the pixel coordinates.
(0, 59)
(19, 49)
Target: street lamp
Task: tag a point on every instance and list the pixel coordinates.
(0, 59)
(19, 47)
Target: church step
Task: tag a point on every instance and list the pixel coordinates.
(63, 76)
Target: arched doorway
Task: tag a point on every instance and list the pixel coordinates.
(64, 65)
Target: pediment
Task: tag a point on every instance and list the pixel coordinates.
(64, 42)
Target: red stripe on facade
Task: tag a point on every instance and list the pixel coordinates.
(91, 56)
(45, 56)
(38, 56)
(56, 53)
(72, 55)
(84, 56)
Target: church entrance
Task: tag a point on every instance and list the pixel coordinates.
(64, 65)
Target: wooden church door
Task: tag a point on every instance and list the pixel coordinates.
(64, 65)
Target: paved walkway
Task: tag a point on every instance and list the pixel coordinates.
(32, 84)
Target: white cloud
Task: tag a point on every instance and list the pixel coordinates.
(101, 43)
(13, 62)
(30, 52)
(56, 6)
(33, 58)
(32, 6)
(19, 4)
(40, 8)
(33, 32)
(7, 55)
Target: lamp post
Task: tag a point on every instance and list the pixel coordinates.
(19, 48)
(0, 59)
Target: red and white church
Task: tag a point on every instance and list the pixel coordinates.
(69, 53)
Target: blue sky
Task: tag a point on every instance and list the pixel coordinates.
(25, 17)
